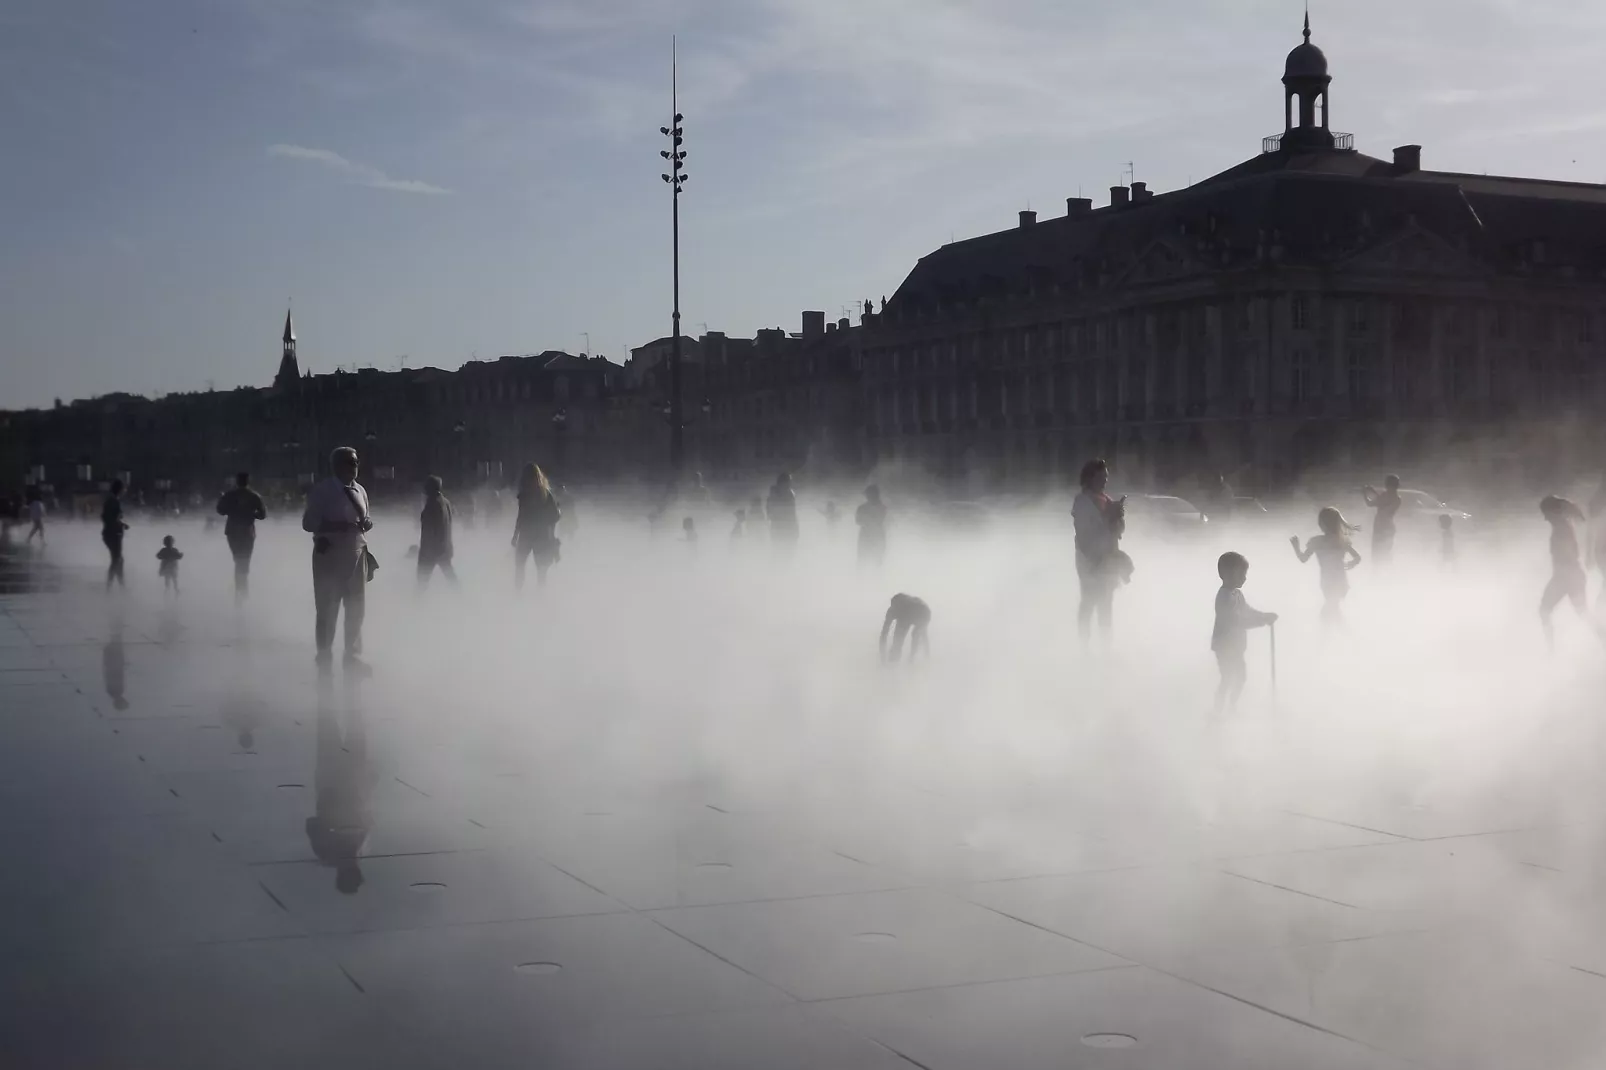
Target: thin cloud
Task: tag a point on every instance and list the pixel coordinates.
(360, 173)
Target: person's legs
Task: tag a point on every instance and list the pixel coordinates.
(425, 567)
(355, 597)
(1084, 607)
(242, 546)
(326, 602)
(920, 645)
(1555, 591)
(521, 551)
(898, 634)
(447, 570)
(1236, 673)
(114, 546)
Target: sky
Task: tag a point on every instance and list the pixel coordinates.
(435, 181)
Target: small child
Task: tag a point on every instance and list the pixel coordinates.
(1234, 618)
(690, 528)
(908, 613)
(1446, 541)
(832, 514)
(1567, 569)
(740, 528)
(1336, 555)
(169, 556)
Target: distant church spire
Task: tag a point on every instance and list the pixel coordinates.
(289, 369)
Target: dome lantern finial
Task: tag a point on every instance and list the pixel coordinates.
(1307, 24)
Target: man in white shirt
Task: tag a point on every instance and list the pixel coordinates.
(36, 514)
(337, 516)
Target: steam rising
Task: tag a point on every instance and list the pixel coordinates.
(685, 682)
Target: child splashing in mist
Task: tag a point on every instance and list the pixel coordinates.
(1234, 618)
(1567, 568)
(907, 616)
(1336, 555)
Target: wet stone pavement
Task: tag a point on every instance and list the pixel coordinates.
(217, 858)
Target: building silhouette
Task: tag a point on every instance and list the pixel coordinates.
(1310, 306)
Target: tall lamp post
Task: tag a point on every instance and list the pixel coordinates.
(676, 178)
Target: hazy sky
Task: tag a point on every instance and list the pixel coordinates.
(441, 178)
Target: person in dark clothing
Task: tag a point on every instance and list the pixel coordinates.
(1100, 523)
(241, 508)
(435, 533)
(169, 556)
(533, 532)
(906, 614)
(871, 516)
(782, 510)
(1387, 503)
(111, 532)
(1567, 580)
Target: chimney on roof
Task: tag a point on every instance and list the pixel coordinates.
(1407, 158)
(1028, 219)
(1078, 205)
(813, 324)
(830, 328)
(842, 324)
(1140, 191)
(1119, 196)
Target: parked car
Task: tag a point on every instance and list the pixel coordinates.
(962, 518)
(1418, 507)
(1165, 512)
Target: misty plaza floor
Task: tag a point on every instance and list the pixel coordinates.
(564, 899)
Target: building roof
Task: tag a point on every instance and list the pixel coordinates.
(1302, 202)
(1322, 213)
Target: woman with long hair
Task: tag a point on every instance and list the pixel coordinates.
(1100, 523)
(533, 531)
(1335, 555)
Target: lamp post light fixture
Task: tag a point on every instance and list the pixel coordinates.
(676, 178)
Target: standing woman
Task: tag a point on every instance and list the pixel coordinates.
(111, 532)
(1100, 523)
(871, 516)
(533, 534)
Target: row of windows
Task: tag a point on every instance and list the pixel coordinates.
(1088, 389)
(1412, 322)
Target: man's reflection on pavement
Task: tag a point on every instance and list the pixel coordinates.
(242, 705)
(344, 781)
(114, 661)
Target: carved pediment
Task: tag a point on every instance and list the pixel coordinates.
(1160, 261)
(1414, 251)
